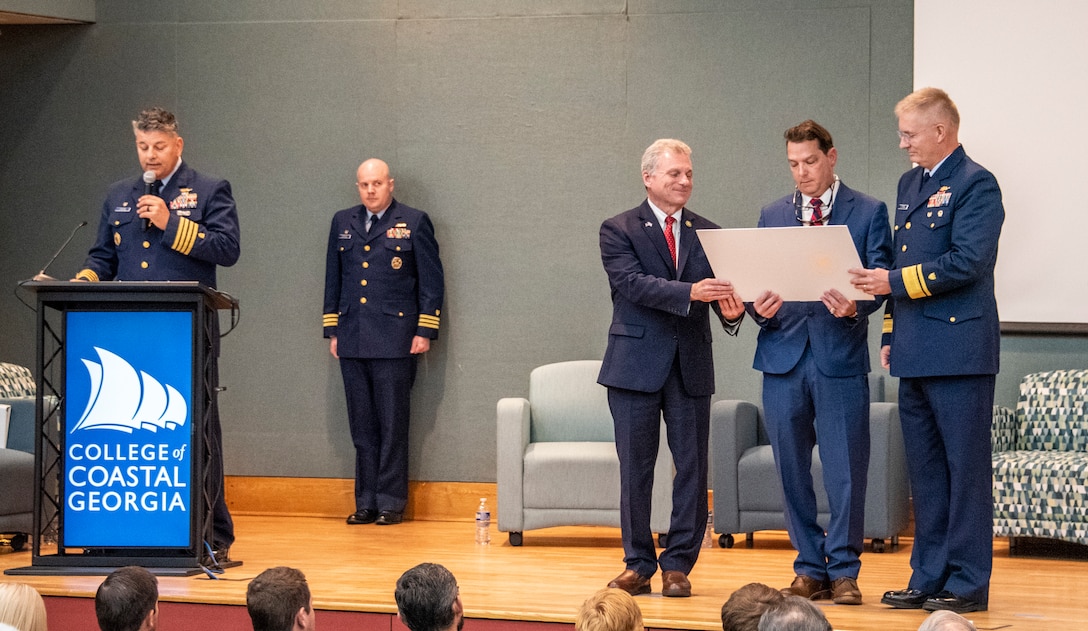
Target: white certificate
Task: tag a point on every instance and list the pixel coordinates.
(798, 263)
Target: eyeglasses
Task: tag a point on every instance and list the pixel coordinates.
(909, 136)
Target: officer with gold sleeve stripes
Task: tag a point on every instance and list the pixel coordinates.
(942, 339)
(383, 298)
(186, 227)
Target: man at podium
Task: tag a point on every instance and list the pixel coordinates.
(172, 224)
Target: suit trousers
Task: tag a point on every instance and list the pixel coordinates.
(804, 408)
(946, 427)
(637, 420)
(378, 393)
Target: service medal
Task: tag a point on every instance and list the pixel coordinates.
(396, 262)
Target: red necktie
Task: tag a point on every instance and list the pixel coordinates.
(817, 216)
(670, 239)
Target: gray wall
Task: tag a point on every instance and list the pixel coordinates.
(518, 125)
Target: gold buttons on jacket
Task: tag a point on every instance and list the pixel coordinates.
(143, 264)
(147, 244)
(363, 282)
(952, 319)
(362, 300)
(365, 265)
(904, 248)
(908, 225)
(366, 248)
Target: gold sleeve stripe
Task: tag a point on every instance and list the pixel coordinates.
(186, 236)
(887, 324)
(915, 282)
(88, 274)
(330, 319)
(428, 321)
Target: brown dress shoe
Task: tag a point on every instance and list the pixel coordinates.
(675, 584)
(631, 582)
(844, 591)
(808, 587)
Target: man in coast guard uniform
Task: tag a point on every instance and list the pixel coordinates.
(180, 233)
(815, 358)
(659, 361)
(383, 298)
(942, 339)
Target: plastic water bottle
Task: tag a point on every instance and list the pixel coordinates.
(708, 536)
(483, 523)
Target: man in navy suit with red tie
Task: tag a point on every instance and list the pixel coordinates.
(942, 339)
(815, 358)
(659, 362)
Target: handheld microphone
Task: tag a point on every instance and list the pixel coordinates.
(149, 189)
(42, 275)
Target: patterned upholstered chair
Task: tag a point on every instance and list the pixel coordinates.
(1040, 456)
(17, 459)
(557, 462)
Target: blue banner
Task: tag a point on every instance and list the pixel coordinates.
(128, 429)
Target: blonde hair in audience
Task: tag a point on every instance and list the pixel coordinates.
(609, 609)
(22, 607)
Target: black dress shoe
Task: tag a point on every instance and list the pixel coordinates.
(906, 598)
(219, 556)
(951, 602)
(389, 517)
(362, 517)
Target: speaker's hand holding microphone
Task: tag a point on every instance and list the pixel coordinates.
(150, 207)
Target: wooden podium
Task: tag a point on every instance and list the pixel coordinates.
(125, 375)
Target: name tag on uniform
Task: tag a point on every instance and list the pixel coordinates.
(344, 235)
(904, 207)
(123, 208)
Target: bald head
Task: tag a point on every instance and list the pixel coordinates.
(375, 185)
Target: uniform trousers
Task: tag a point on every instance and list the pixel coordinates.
(378, 393)
(946, 430)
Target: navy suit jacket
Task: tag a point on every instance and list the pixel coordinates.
(202, 232)
(840, 346)
(653, 316)
(382, 288)
(942, 318)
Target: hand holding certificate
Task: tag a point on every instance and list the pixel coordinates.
(797, 263)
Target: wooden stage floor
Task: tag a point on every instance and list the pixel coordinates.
(354, 568)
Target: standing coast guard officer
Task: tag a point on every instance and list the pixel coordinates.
(815, 358)
(942, 339)
(182, 232)
(383, 299)
(659, 363)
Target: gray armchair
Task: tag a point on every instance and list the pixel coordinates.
(748, 491)
(17, 458)
(557, 462)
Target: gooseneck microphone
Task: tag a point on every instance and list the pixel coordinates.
(149, 189)
(42, 275)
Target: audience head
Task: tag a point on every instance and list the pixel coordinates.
(428, 599)
(794, 613)
(946, 621)
(128, 600)
(746, 605)
(279, 599)
(609, 609)
(22, 607)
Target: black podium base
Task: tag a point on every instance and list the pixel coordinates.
(56, 565)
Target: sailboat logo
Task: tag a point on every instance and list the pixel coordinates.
(123, 400)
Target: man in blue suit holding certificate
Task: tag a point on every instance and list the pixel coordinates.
(815, 358)
(942, 339)
(658, 362)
